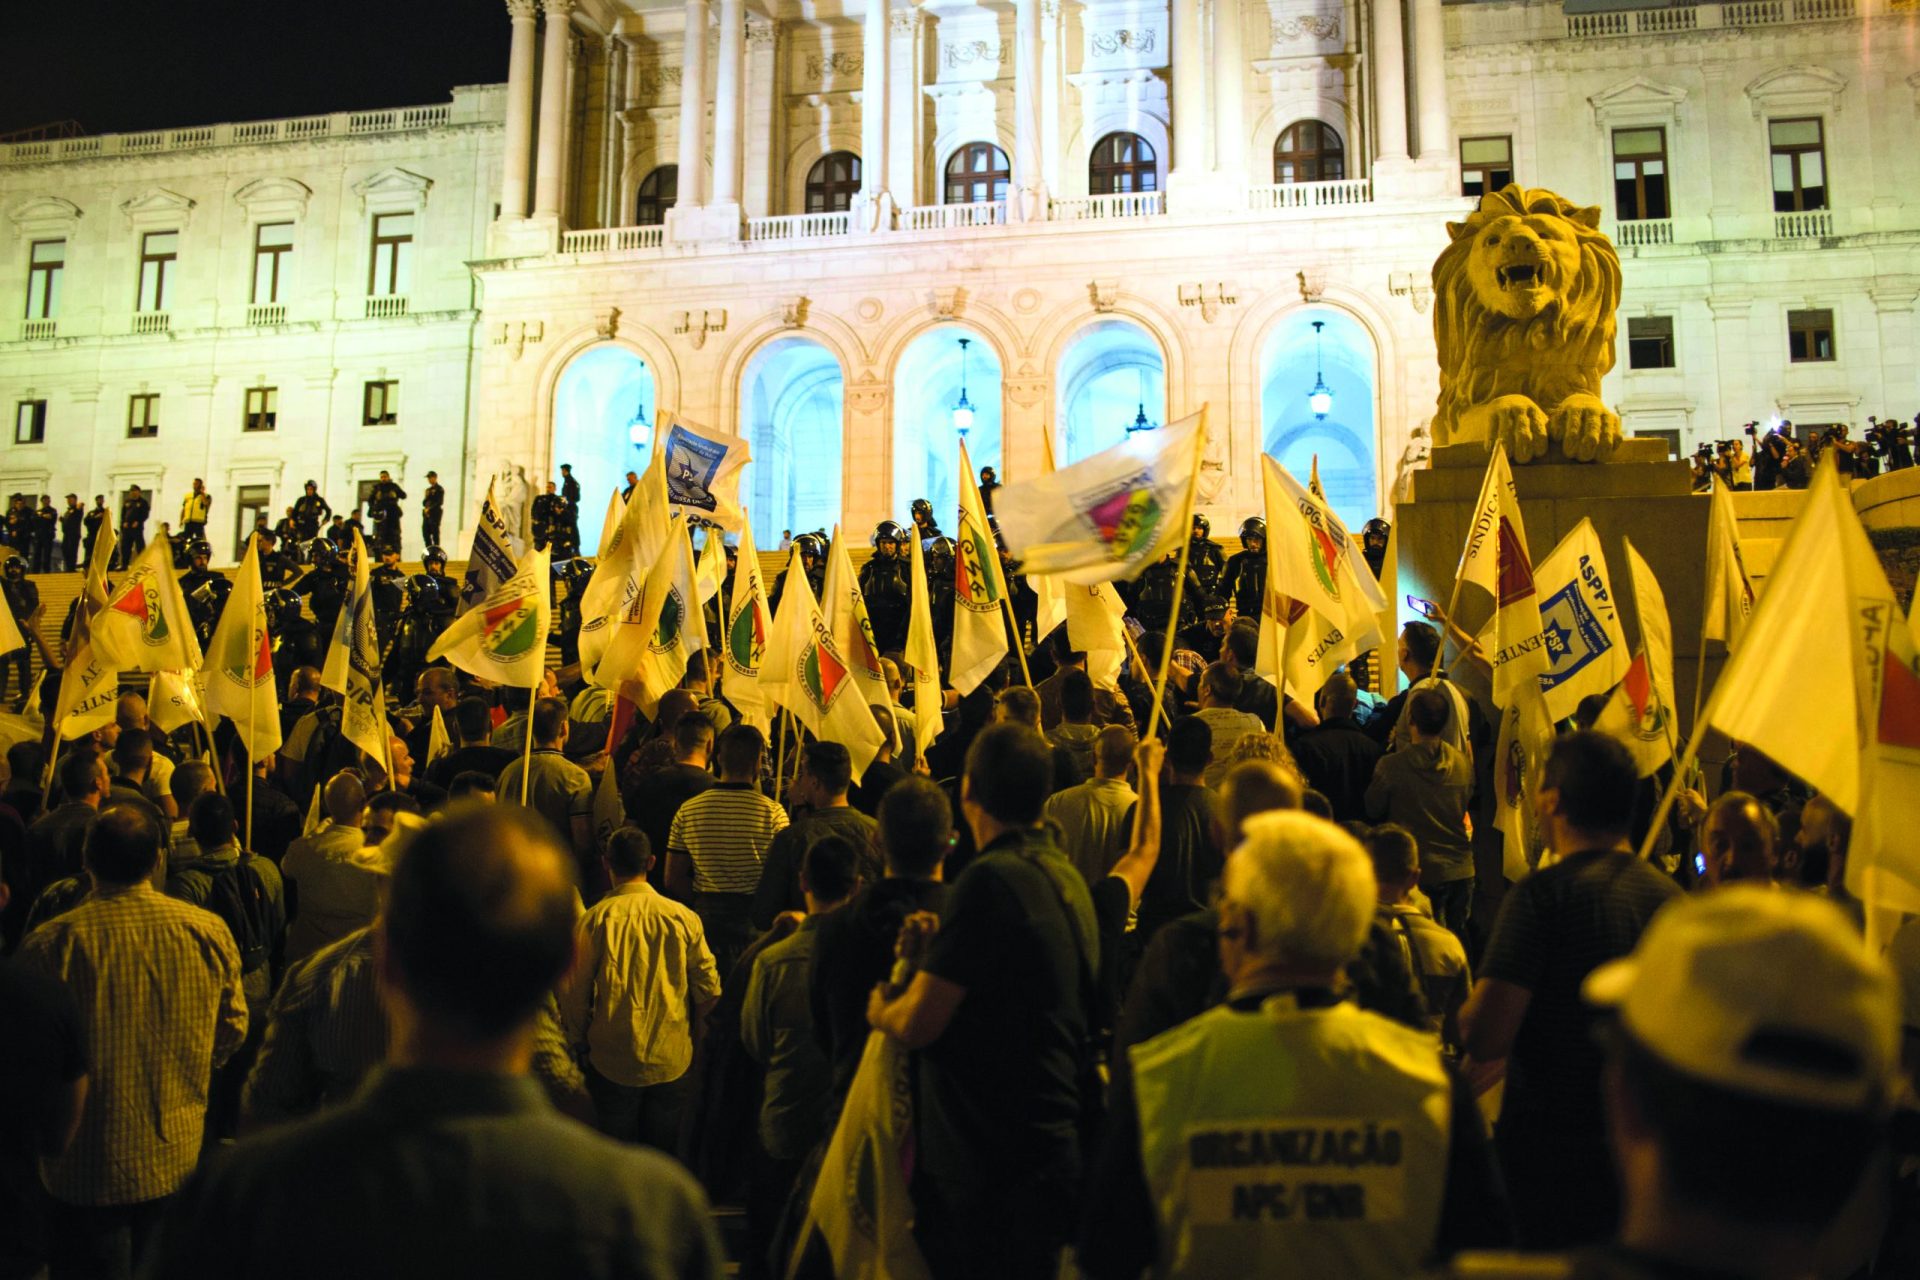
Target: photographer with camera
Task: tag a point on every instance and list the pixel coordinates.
(1891, 441)
(1769, 454)
(1702, 463)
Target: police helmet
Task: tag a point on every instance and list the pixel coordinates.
(888, 531)
(1250, 528)
(432, 554)
(921, 507)
(386, 549)
(1375, 528)
(198, 549)
(321, 551)
(939, 553)
(1202, 527)
(15, 565)
(811, 547)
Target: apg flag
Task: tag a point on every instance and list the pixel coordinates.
(89, 689)
(1580, 619)
(174, 702)
(702, 471)
(745, 637)
(145, 625)
(490, 559)
(1108, 516)
(649, 653)
(846, 611)
(1641, 711)
(1319, 589)
(1729, 599)
(861, 1207)
(1526, 735)
(353, 666)
(979, 590)
(612, 598)
(240, 662)
(923, 656)
(504, 638)
(804, 671)
(1496, 560)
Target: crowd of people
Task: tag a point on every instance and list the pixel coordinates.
(1784, 458)
(1198, 981)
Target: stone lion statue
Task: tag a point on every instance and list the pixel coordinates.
(1524, 307)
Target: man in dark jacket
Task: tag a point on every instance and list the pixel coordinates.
(1337, 756)
(1425, 787)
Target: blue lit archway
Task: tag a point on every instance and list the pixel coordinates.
(1111, 373)
(1345, 440)
(792, 398)
(594, 405)
(926, 444)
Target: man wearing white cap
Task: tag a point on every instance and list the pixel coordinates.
(1751, 1070)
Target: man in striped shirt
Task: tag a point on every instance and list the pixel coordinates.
(158, 985)
(719, 841)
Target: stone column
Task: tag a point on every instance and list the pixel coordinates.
(548, 165)
(612, 99)
(762, 139)
(906, 84)
(1389, 80)
(873, 207)
(1029, 202)
(579, 56)
(866, 459)
(727, 102)
(1229, 94)
(693, 109)
(1430, 80)
(1189, 91)
(519, 132)
(1053, 139)
(1732, 351)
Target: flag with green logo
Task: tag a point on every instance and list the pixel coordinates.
(145, 625)
(805, 671)
(504, 638)
(239, 667)
(923, 655)
(846, 611)
(747, 623)
(651, 654)
(979, 590)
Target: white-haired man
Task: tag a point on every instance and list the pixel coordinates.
(1287, 1125)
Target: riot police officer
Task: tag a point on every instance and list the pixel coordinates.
(383, 505)
(388, 583)
(288, 535)
(884, 585)
(23, 597)
(310, 512)
(1373, 544)
(205, 590)
(433, 505)
(275, 565)
(548, 515)
(813, 561)
(431, 599)
(570, 491)
(1153, 596)
(326, 587)
(924, 525)
(1245, 579)
(569, 580)
(296, 641)
(939, 556)
(1204, 557)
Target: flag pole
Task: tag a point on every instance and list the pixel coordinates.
(526, 753)
(254, 642)
(780, 754)
(1006, 610)
(1179, 582)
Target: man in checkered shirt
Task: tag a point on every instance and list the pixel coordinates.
(158, 985)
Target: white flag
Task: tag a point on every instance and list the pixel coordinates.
(846, 612)
(805, 672)
(11, 637)
(613, 594)
(702, 471)
(239, 666)
(439, 745)
(979, 588)
(710, 571)
(1319, 612)
(1496, 560)
(173, 700)
(89, 689)
(748, 622)
(1579, 616)
(1050, 592)
(1729, 595)
(490, 560)
(1096, 626)
(1526, 735)
(144, 625)
(354, 662)
(1641, 711)
(504, 638)
(648, 652)
(922, 653)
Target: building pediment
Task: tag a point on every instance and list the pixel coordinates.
(1803, 88)
(44, 217)
(1638, 99)
(158, 206)
(270, 197)
(393, 188)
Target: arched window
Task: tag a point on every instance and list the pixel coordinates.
(658, 191)
(1122, 162)
(833, 182)
(977, 172)
(1309, 151)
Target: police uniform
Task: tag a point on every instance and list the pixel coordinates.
(96, 516)
(889, 597)
(206, 593)
(133, 527)
(1206, 563)
(310, 511)
(326, 590)
(433, 504)
(24, 599)
(383, 504)
(1245, 581)
(1153, 596)
(549, 510)
(193, 515)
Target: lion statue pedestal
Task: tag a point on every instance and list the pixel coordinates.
(1523, 317)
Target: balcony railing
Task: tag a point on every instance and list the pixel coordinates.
(1309, 195)
(1127, 204)
(1643, 231)
(387, 306)
(267, 314)
(1468, 24)
(1810, 224)
(38, 330)
(150, 322)
(612, 239)
(247, 133)
(799, 226)
(947, 217)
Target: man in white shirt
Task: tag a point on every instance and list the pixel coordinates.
(1220, 688)
(1092, 817)
(333, 879)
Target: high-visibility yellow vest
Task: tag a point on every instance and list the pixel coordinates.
(1293, 1142)
(194, 509)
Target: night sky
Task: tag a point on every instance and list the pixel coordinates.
(116, 66)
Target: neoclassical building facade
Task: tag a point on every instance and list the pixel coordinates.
(1064, 219)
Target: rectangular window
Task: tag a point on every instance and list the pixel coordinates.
(272, 242)
(143, 416)
(158, 252)
(1810, 335)
(391, 270)
(46, 264)
(380, 407)
(30, 422)
(1650, 342)
(250, 502)
(1799, 150)
(1486, 164)
(1640, 174)
(263, 409)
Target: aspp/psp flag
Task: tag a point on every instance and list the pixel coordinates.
(490, 558)
(1586, 647)
(1641, 711)
(504, 638)
(1108, 516)
(702, 468)
(1496, 560)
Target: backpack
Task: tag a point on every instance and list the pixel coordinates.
(235, 895)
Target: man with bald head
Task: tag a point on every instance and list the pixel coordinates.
(131, 713)
(1738, 840)
(450, 1161)
(333, 879)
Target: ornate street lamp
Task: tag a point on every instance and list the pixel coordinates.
(640, 431)
(963, 407)
(1140, 422)
(1320, 399)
